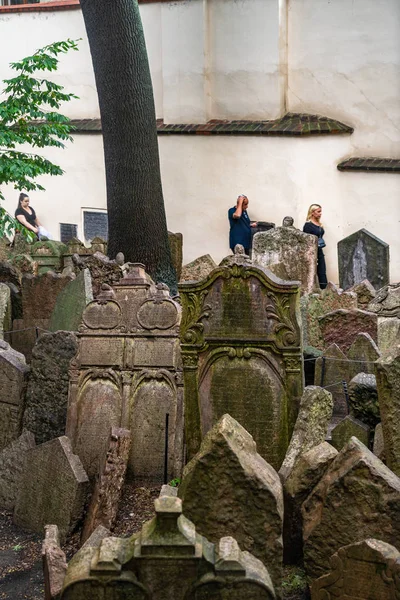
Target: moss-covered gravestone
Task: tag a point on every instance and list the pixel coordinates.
(363, 256)
(242, 354)
(388, 382)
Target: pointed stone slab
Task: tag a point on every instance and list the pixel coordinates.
(54, 563)
(388, 382)
(363, 256)
(347, 428)
(369, 569)
(53, 488)
(358, 497)
(365, 293)
(229, 489)
(12, 466)
(341, 327)
(362, 353)
(330, 373)
(311, 426)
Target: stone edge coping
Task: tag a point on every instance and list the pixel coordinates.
(43, 6)
(371, 165)
(289, 125)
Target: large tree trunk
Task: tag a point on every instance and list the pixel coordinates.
(136, 214)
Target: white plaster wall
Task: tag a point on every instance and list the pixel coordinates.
(244, 59)
(344, 62)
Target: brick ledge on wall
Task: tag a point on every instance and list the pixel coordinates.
(371, 165)
(290, 125)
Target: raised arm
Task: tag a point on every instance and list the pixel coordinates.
(239, 208)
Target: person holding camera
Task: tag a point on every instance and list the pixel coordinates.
(240, 224)
(313, 226)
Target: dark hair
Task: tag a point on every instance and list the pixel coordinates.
(22, 197)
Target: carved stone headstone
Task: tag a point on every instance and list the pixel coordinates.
(304, 476)
(388, 382)
(13, 375)
(363, 256)
(365, 293)
(346, 429)
(47, 391)
(362, 355)
(379, 443)
(104, 502)
(330, 371)
(358, 497)
(363, 399)
(386, 305)
(48, 255)
(228, 488)
(368, 569)
(342, 326)
(167, 560)
(242, 354)
(54, 563)
(198, 269)
(5, 309)
(176, 246)
(296, 250)
(12, 465)
(102, 270)
(71, 302)
(53, 488)
(314, 306)
(311, 426)
(127, 373)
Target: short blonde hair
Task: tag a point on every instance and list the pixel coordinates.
(311, 210)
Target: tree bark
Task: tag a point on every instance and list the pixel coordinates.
(136, 214)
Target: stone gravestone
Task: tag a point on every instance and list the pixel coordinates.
(54, 563)
(311, 427)
(346, 429)
(167, 560)
(13, 375)
(53, 488)
(12, 465)
(47, 391)
(386, 305)
(176, 246)
(314, 306)
(363, 399)
(330, 371)
(365, 292)
(105, 499)
(102, 270)
(227, 488)
(242, 354)
(363, 256)
(379, 443)
(48, 255)
(71, 302)
(5, 310)
(357, 498)
(296, 250)
(368, 569)
(127, 373)
(362, 353)
(388, 382)
(341, 327)
(198, 269)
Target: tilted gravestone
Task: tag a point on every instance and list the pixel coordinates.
(53, 488)
(5, 310)
(198, 269)
(386, 305)
(296, 250)
(346, 429)
(12, 465)
(166, 560)
(127, 373)
(388, 382)
(304, 476)
(47, 391)
(54, 563)
(379, 443)
(363, 256)
(311, 427)
(341, 327)
(229, 489)
(358, 497)
(71, 302)
(368, 569)
(365, 292)
(242, 354)
(13, 376)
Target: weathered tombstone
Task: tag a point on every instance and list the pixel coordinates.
(167, 560)
(341, 327)
(127, 373)
(53, 488)
(12, 465)
(386, 305)
(291, 247)
(47, 391)
(363, 399)
(365, 292)
(227, 488)
(346, 429)
(198, 269)
(368, 569)
(54, 563)
(102, 270)
(363, 256)
(242, 354)
(388, 382)
(386, 302)
(304, 476)
(311, 426)
(389, 336)
(97, 244)
(379, 443)
(314, 306)
(357, 498)
(13, 375)
(330, 371)
(104, 502)
(176, 246)
(71, 302)
(25, 264)
(5, 310)
(48, 255)
(362, 353)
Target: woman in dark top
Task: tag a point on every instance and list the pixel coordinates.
(314, 226)
(26, 214)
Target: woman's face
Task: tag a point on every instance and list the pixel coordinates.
(316, 213)
(25, 202)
